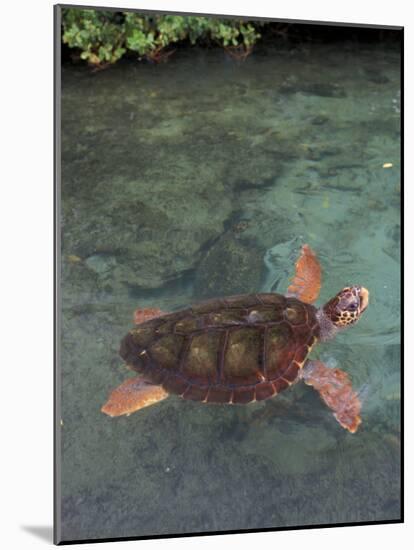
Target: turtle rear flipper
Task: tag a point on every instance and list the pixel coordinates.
(334, 386)
(132, 395)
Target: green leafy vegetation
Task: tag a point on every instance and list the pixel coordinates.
(96, 33)
(103, 37)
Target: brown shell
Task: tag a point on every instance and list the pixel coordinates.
(230, 350)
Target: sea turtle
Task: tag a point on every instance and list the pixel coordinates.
(242, 348)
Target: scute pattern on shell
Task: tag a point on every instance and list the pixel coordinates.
(231, 350)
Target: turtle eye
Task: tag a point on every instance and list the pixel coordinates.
(353, 306)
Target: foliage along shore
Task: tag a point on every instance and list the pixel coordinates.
(103, 37)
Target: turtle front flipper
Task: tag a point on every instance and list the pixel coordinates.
(141, 315)
(132, 395)
(334, 386)
(306, 283)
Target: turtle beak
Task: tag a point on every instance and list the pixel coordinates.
(363, 299)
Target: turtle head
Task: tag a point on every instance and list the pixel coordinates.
(347, 306)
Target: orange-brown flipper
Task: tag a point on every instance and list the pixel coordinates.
(334, 386)
(132, 395)
(306, 283)
(146, 314)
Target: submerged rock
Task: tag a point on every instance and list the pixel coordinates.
(231, 266)
(129, 242)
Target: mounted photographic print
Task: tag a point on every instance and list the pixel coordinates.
(228, 274)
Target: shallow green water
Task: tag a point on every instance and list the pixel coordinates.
(202, 177)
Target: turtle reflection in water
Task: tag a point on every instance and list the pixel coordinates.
(241, 349)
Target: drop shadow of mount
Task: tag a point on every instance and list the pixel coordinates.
(43, 532)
